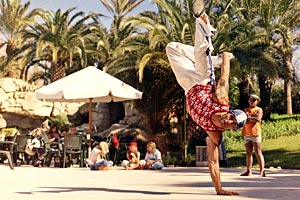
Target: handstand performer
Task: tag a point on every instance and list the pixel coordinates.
(207, 102)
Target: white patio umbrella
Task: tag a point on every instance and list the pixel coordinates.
(88, 85)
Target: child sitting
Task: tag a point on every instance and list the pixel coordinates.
(153, 157)
(133, 156)
(97, 160)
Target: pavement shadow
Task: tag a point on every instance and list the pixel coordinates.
(279, 184)
(56, 190)
(85, 189)
(185, 170)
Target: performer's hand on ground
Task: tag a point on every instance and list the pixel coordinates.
(224, 192)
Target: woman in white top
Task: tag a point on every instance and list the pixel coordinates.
(97, 160)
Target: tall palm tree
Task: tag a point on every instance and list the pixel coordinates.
(99, 45)
(119, 10)
(108, 40)
(59, 41)
(251, 29)
(145, 52)
(237, 33)
(285, 19)
(14, 18)
(276, 20)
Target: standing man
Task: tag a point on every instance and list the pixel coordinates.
(207, 102)
(252, 136)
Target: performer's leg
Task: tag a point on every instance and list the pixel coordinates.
(177, 51)
(203, 49)
(188, 51)
(181, 60)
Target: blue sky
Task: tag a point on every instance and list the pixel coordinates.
(84, 5)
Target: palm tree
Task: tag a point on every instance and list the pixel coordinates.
(238, 33)
(145, 52)
(119, 10)
(99, 45)
(250, 29)
(14, 18)
(277, 19)
(109, 40)
(285, 20)
(59, 41)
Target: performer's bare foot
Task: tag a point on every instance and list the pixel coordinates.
(198, 8)
(247, 173)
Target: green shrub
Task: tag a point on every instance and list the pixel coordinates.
(60, 121)
(280, 125)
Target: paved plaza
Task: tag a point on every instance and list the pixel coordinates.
(180, 183)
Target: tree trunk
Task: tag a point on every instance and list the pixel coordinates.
(10, 48)
(57, 72)
(244, 93)
(265, 86)
(288, 91)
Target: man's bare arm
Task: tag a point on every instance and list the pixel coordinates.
(222, 88)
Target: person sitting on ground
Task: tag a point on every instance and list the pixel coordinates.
(97, 158)
(153, 157)
(133, 156)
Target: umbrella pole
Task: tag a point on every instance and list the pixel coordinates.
(90, 121)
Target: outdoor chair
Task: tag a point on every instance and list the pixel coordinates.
(7, 147)
(19, 149)
(85, 144)
(73, 145)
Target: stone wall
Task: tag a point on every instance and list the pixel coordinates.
(21, 109)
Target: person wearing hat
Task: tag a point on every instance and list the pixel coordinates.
(133, 156)
(207, 101)
(252, 136)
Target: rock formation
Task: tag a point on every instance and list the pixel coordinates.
(21, 109)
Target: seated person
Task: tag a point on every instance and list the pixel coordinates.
(54, 139)
(2, 127)
(97, 158)
(53, 134)
(133, 156)
(153, 157)
(71, 129)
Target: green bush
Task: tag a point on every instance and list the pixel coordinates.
(280, 125)
(60, 121)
